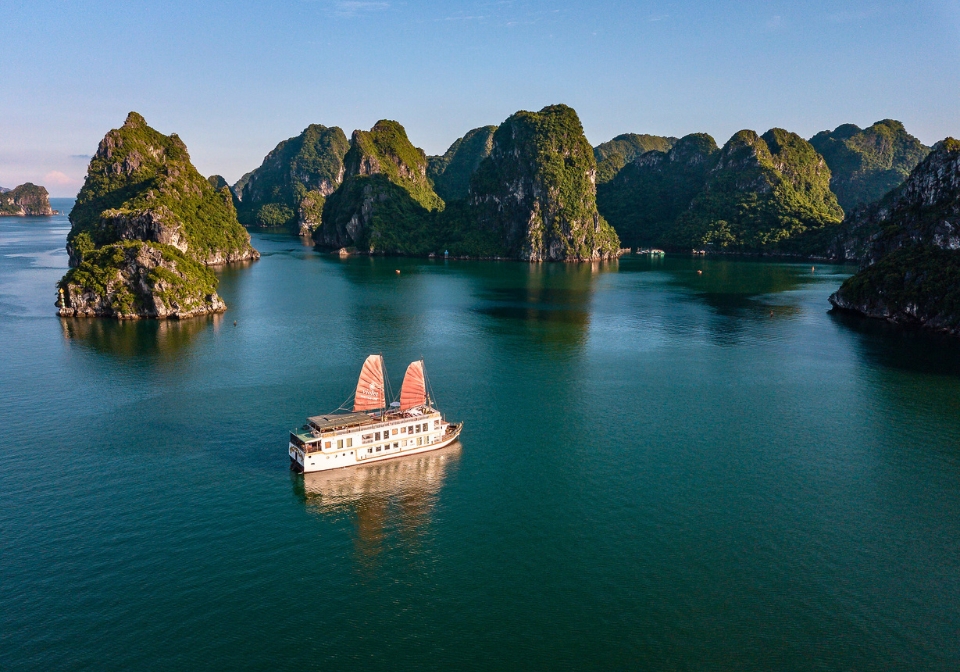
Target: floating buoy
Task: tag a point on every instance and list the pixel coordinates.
(771, 313)
(699, 272)
(813, 268)
(234, 323)
(398, 271)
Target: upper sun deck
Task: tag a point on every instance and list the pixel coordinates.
(333, 424)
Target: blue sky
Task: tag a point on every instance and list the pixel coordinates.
(235, 78)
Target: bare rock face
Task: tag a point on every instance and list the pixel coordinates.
(27, 200)
(158, 226)
(144, 226)
(142, 185)
(386, 201)
(289, 188)
(136, 280)
(909, 249)
(537, 190)
(924, 210)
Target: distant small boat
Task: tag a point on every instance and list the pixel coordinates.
(373, 430)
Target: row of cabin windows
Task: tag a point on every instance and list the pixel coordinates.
(423, 427)
(396, 445)
(370, 438)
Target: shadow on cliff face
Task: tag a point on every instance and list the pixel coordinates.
(908, 348)
(135, 338)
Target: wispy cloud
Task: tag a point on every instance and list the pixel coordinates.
(82, 157)
(479, 17)
(775, 23)
(659, 17)
(55, 177)
(351, 8)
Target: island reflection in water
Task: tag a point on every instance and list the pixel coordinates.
(391, 497)
(135, 338)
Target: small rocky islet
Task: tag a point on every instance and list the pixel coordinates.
(147, 226)
(26, 200)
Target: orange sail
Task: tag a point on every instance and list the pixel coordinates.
(370, 394)
(414, 390)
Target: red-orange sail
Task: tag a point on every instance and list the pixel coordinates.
(414, 390)
(370, 394)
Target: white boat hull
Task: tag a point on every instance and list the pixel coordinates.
(342, 459)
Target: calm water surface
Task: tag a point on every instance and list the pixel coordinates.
(659, 470)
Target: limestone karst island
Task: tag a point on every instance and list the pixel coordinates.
(389, 336)
(147, 229)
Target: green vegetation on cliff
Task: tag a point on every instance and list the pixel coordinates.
(914, 284)
(536, 191)
(868, 163)
(26, 200)
(133, 279)
(451, 172)
(141, 174)
(614, 154)
(765, 194)
(909, 247)
(644, 200)
(290, 186)
(386, 203)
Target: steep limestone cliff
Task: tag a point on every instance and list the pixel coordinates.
(451, 172)
(767, 193)
(386, 200)
(867, 163)
(537, 190)
(291, 185)
(139, 174)
(144, 225)
(26, 200)
(134, 279)
(612, 156)
(645, 198)
(909, 248)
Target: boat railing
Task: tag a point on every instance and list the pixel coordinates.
(383, 423)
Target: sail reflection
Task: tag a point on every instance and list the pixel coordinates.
(394, 497)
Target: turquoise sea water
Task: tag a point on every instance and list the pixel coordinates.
(659, 470)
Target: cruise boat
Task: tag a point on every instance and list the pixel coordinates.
(373, 430)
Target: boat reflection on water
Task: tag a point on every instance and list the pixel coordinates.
(386, 498)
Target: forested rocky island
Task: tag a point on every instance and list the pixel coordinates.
(146, 225)
(144, 230)
(27, 200)
(908, 244)
(524, 190)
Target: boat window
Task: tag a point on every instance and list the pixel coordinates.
(396, 445)
(339, 443)
(419, 440)
(436, 424)
(378, 436)
(349, 443)
(327, 444)
(394, 432)
(378, 449)
(367, 438)
(403, 430)
(369, 450)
